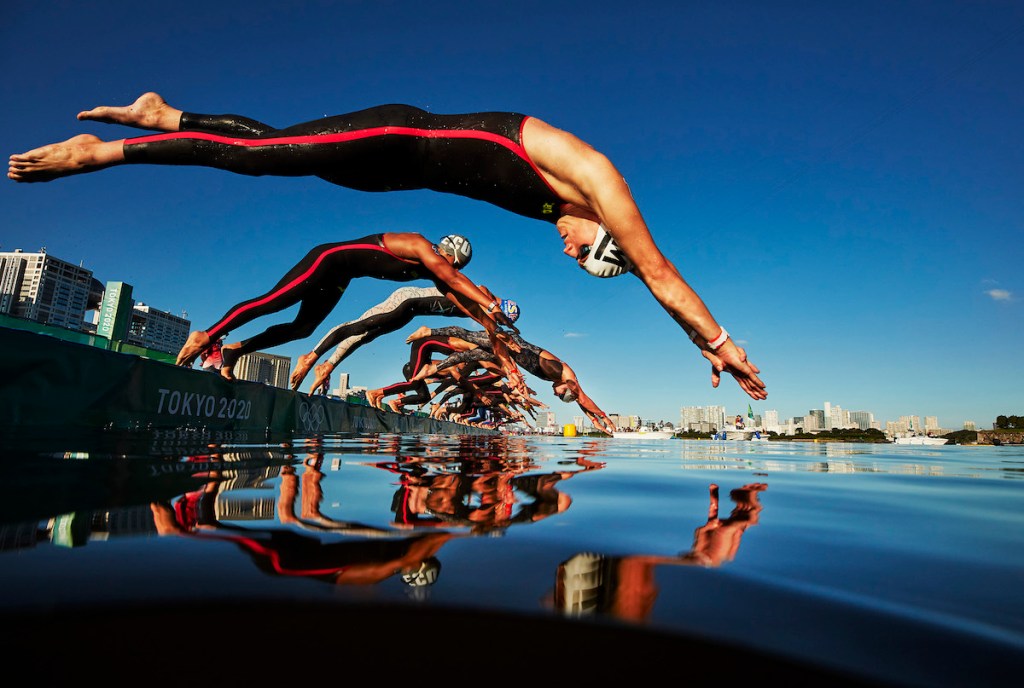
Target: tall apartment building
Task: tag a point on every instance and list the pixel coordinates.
(702, 418)
(48, 290)
(157, 330)
(342, 389)
(269, 369)
(865, 420)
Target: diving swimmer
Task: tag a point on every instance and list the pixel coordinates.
(514, 161)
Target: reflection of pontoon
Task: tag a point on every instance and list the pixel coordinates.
(644, 434)
(921, 439)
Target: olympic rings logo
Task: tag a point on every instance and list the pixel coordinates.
(312, 416)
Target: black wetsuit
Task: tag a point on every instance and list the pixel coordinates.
(421, 352)
(528, 358)
(384, 148)
(317, 283)
(397, 311)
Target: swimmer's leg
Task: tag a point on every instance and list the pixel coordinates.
(197, 343)
(322, 378)
(302, 365)
(77, 155)
(230, 353)
(421, 332)
(149, 111)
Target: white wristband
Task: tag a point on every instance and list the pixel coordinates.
(718, 341)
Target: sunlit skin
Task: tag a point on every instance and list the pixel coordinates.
(635, 590)
(589, 184)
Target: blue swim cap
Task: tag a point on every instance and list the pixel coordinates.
(511, 309)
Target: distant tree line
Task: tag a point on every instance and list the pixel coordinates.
(841, 435)
(1010, 422)
(962, 437)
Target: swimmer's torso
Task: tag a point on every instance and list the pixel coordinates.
(384, 148)
(365, 257)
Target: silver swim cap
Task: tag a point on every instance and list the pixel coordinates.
(569, 395)
(458, 246)
(426, 574)
(604, 258)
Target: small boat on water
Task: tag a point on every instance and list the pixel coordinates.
(922, 439)
(644, 434)
(739, 431)
(731, 432)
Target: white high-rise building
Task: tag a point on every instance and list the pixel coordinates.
(266, 368)
(865, 420)
(702, 418)
(342, 389)
(48, 290)
(157, 330)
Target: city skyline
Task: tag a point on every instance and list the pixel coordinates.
(839, 182)
(762, 411)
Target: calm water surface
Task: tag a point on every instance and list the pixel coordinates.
(896, 564)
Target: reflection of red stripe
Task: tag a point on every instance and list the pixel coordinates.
(337, 138)
(297, 280)
(275, 558)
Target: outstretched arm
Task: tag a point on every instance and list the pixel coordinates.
(586, 178)
(488, 313)
(598, 417)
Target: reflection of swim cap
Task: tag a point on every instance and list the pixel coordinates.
(458, 246)
(511, 309)
(426, 574)
(604, 258)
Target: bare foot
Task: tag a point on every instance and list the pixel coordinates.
(197, 343)
(149, 111)
(396, 404)
(229, 355)
(373, 397)
(302, 365)
(424, 372)
(420, 333)
(82, 153)
(321, 379)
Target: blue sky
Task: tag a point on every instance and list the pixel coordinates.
(841, 182)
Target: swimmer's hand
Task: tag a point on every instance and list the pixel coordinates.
(732, 359)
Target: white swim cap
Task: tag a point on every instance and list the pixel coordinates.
(604, 258)
(458, 246)
(426, 574)
(511, 309)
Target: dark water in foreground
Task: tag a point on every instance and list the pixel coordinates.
(889, 563)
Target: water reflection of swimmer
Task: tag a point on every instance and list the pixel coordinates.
(380, 554)
(487, 496)
(514, 161)
(624, 587)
